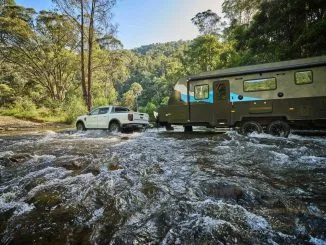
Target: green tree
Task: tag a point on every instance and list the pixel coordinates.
(41, 51)
(208, 23)
(110, 70)
(240, 12)
(130, 97)
(204, 54)
(7, 2)
(156, 67)
(302, 29)
(275, 30)
(92, 18)
(6, 94)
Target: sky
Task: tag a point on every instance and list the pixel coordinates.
(142, 22)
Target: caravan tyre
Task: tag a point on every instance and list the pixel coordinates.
(250, 127)
(279, 128)
(169, 127)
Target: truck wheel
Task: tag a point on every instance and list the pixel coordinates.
(114, 127)
(80, 126)
(279, 128)
(250, 127)
(188, 129)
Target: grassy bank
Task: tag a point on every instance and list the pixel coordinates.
(57, 115)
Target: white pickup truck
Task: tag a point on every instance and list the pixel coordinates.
(113, 118)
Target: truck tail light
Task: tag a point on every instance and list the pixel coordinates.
(130, 117)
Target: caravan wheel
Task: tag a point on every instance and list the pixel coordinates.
(250, 127)
(187, 129)
(279, 128)
(169, 127)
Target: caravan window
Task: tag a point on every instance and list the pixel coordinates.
(303, 77)
(221, 91)
(201, 92)
(262, 84)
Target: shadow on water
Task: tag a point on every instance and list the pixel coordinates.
(191, 135)
(158, 187)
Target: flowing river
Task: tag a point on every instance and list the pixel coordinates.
(160, 187)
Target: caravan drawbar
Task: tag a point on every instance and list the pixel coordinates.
(271, 97)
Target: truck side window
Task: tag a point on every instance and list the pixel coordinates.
(201, 92)
(121, 109)
(94, 112)
(303, 77)
(103, 110)
(262, 84)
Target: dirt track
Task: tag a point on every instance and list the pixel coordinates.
(12, 122)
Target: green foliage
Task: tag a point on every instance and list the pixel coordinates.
(40, 52)
(22, 108)
(165, 100)
(166, 49)
(275, 30)
(240, 11)
(129, 98)
(208, 23)
(204, 54)
(149, 109)
(73, 108)
(6, 94)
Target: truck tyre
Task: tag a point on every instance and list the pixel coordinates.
(279, 128)
(187, 129)
(250, 127)
(80, 126)
(114, 127)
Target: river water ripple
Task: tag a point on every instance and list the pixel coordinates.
(161, 187)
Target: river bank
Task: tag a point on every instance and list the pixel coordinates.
(12, 124)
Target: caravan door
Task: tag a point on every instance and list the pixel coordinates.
(200, 97)
(221, 105)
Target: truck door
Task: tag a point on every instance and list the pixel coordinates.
(91, 121)
(102, 119)
(222, 105)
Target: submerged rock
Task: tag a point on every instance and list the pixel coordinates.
(45, 199)
(223, 190)
(14, 159)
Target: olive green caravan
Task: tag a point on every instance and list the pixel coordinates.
(271, 97)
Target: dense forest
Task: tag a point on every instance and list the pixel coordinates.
(57, 64)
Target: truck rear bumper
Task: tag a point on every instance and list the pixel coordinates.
(135, 125)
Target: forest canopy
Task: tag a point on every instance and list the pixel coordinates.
(55, 65)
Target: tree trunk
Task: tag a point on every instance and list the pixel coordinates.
(82, 65)
(90, 52)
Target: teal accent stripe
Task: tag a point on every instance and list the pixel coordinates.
(210, 98)
(235, 98)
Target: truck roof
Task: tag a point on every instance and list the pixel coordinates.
(104, 106)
